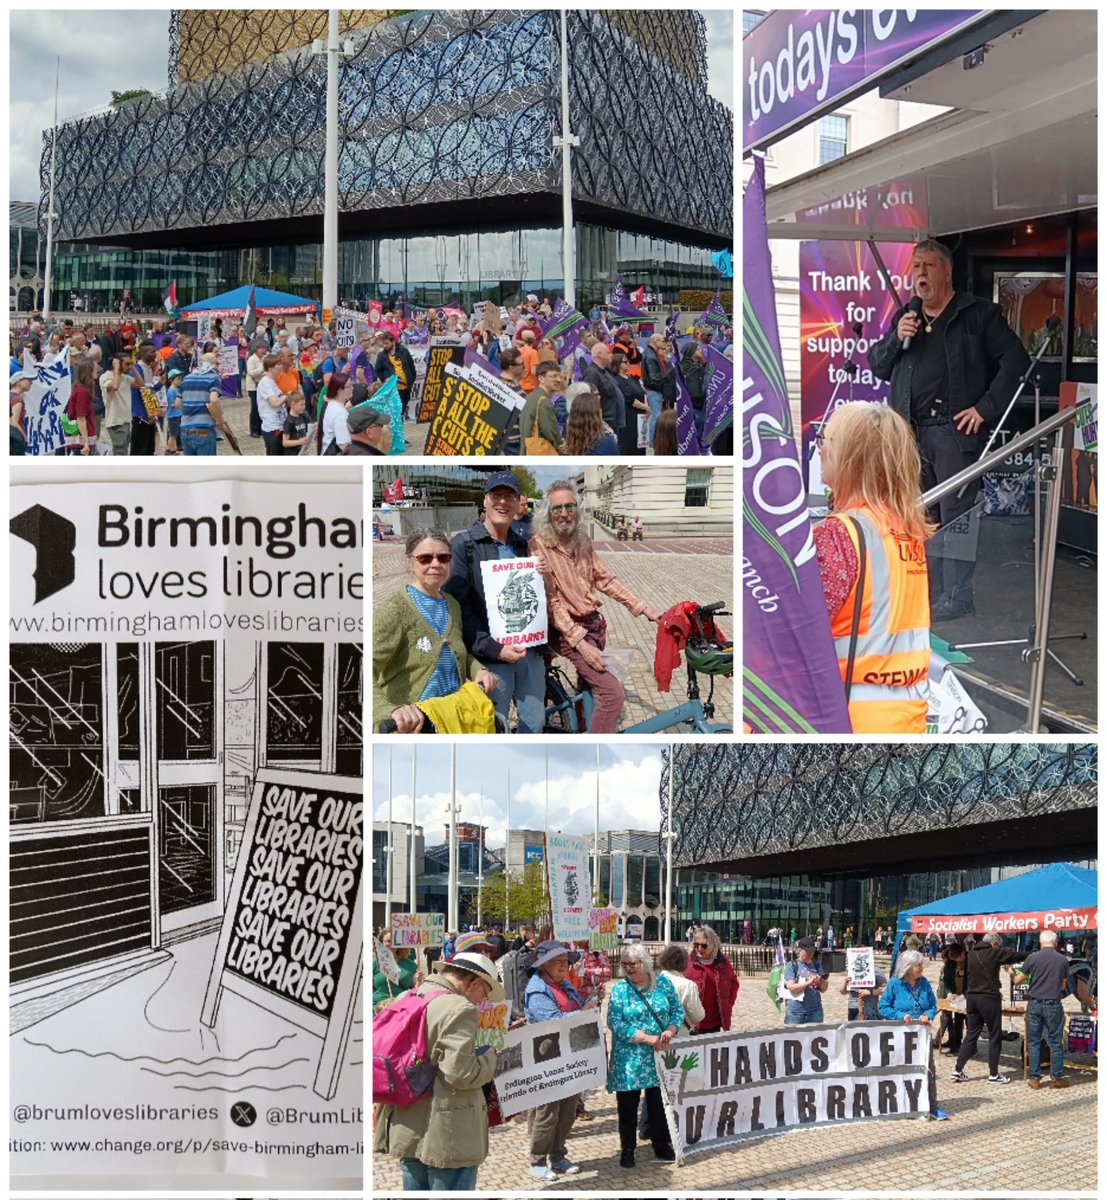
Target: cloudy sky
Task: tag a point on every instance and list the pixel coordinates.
(119, 50)
(630, 775)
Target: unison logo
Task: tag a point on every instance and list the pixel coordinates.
(54, 539)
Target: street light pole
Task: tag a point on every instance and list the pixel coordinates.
(451, 899)
(388, 867)
(596, 838)
(48, 277)
(330, 171)
(480, 860)
(411, 841)
(507, 853)
(565, 143)
(669, 850)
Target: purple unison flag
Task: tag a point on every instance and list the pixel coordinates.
(791, 679)
(671, 324)
(688, 441)
(715, 314)
(719, 381)
(618, 293)
(565, 325)
(621, 307)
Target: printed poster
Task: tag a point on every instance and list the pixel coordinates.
(550, 1060)
(186, 830)
(570, 886)
(515, 596)
(860, 967)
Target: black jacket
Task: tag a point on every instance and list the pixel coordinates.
(383, 366)
(986, 361)
(470, 549)
(983, 969)
(611, 398)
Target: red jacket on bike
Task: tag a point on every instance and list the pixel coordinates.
(673, 631)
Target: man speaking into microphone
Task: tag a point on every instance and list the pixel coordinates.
(953, 364)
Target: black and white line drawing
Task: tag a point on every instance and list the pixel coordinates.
(146, 763)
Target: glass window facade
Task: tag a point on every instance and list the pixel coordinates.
(833, 138)
(459, 267)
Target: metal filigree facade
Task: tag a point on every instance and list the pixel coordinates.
(739, 802)
(435, 107)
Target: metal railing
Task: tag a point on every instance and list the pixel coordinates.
(1050, 475)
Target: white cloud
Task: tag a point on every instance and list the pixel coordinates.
(720, 55)
(628, 800)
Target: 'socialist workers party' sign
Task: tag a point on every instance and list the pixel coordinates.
(723, 1088)
(291, 937)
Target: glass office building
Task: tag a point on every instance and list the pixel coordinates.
(449, 182)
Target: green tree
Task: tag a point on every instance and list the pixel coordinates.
(527, 482)
(520, 894)
(118, 98)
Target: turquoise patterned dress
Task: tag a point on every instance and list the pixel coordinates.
(632, 1063)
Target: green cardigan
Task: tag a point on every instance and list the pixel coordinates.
(400, 669)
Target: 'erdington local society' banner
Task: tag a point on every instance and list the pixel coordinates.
(722, 1088)
(550, 1060)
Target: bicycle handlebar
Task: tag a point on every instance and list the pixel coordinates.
(711, 610)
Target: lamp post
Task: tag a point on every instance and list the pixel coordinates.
(388, 864)
(669, 850)
(565, 143)
(451, 899)
(48, 277)
(412, 879)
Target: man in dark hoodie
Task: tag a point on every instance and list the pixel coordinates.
(984, 1004)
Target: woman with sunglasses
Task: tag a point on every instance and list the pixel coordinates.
(643, 1014)
(418, 649)
(715, 979)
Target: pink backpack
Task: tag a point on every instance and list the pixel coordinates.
(402, 1073)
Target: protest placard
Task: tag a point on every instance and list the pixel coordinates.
(515, 598)
(45, 404)
(291, 936)
(492, 1021)
(570, 885)
(550, 1060)
(418, 929)
(346, 322)
(860, 967)
(228, 360)
(603, 928)
(443, 349)
(386, 961)
(473, 412)
(722, 1088)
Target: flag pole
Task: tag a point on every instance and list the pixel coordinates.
(388, 866)
(566, 142)
(330, 172)
(413, 881)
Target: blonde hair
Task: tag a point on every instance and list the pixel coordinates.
(876, 463)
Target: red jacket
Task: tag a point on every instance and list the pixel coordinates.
(727, 981)
(673, 631)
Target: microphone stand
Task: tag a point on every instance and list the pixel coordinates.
(1044, 473)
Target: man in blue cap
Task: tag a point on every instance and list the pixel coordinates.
(519, 669)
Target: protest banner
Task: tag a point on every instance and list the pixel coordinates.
(418, 929)
(688, 441)
(1017, 922)
(386, 961)
(515, 597)
(603, 928)
(44, 405)
(232, 559)
(228, 360)
(473, 413)
(724, 1088)
(443, 349)
(570, 886)
(291, 935)
(550, 1060)
(792, 683)
(718, 408)
(492, 1023)
(345, 326)
(860, 967)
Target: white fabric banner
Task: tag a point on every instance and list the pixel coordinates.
(722, 1088)
(570, 886)
(549, 1061)
(45, 405)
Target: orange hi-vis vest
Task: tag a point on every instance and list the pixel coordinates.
(890, 688)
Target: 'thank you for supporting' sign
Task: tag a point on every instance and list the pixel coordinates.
(291, 936)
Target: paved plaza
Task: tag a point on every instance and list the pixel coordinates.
(662, 573)
(998, 1138)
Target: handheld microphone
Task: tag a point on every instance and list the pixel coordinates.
(916, 306)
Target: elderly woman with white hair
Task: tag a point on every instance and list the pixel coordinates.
(643, 1014)
(910, 998)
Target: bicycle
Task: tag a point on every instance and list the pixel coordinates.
(569, 709)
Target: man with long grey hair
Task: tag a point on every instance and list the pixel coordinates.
(574, 576)
(984, 1004)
